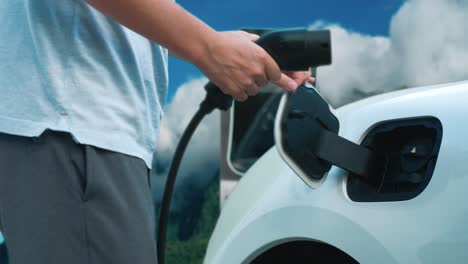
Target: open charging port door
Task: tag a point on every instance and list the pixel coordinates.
(300, 118)
(306, 135)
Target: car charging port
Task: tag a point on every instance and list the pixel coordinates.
(394, 162)
(411, 147)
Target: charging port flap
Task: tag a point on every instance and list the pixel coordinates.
(306, 135)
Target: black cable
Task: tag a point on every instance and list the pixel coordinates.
(205, 109)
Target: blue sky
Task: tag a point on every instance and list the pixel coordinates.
(365, 16)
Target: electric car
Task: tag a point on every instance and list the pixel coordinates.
(381, 180)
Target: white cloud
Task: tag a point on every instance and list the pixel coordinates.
(201, 158)
(358, 66)
(427, 45)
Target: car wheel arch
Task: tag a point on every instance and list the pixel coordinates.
(302, 251)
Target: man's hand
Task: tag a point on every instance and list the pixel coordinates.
(240, 67)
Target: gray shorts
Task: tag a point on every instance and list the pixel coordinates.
(63, 202)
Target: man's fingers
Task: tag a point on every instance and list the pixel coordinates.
(261, 79)
(229, 87)
(272, 69)
(237, 93)
(286, 83)
(252, 92)
(301, 77)
(252, 37)
(241, 96)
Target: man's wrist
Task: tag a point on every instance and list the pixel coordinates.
(197, 54)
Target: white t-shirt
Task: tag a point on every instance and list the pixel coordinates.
(64, 66)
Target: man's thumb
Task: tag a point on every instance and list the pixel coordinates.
(252, 37)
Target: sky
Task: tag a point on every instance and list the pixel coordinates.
(371, 17)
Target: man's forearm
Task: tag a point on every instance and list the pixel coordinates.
(162, 21)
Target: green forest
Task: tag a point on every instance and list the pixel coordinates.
(192, 250)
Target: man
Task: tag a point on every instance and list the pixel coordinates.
(81, 98)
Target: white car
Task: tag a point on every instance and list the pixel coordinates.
(290, 207)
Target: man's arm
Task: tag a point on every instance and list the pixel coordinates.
(229, 59)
